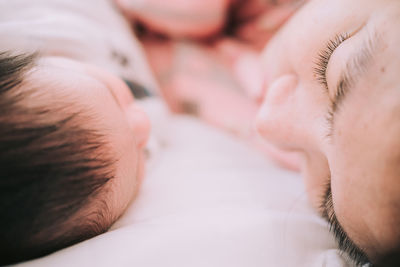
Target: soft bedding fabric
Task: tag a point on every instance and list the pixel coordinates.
(209, 200)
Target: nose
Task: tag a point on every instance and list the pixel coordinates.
(292, 114)
(281, 88)
(139, 123)
(278, 120)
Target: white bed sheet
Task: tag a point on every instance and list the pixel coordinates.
(209, 200)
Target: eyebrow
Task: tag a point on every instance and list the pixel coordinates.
(344, 242)
(356, 67)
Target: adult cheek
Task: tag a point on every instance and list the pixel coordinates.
(316, 175)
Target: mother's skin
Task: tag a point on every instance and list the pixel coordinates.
(339, 109)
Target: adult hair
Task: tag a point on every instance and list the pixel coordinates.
(53, 171)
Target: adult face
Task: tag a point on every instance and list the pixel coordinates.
(333, 95)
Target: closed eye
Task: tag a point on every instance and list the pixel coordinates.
(320, 69)
(321, 65)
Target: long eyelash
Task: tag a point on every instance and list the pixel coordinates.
(324, 56)
(345, 244)
(321, 66)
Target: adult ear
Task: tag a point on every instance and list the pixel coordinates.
(178, 18)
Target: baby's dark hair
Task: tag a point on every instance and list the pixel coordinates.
(52, 170)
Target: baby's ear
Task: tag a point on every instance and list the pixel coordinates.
(178, 18)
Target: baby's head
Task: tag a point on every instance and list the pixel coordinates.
(333, 95)
(71, 153)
